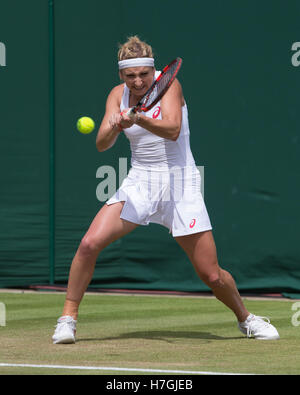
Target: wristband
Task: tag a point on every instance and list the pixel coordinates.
(137, 118)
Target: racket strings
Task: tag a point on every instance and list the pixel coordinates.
(161, 84)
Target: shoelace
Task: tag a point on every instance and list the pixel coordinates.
(65, 323)
(257, 322)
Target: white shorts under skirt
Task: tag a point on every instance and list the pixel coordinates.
(169, 198)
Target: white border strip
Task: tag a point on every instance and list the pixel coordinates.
(25, 365)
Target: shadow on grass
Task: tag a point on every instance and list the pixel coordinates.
(165, 336)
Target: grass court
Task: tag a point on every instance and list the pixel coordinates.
(142, 333)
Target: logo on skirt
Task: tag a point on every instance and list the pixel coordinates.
(192, 224)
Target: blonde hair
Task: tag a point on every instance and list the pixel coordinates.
(134, 48)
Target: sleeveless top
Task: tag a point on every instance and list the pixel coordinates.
(151, 151)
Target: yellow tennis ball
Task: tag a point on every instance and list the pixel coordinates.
(85, 125)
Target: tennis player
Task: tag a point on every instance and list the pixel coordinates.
(162, 186)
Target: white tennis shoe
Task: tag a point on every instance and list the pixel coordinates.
(258, 327)
(65, 330)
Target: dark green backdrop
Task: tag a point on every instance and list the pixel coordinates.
(242, 91)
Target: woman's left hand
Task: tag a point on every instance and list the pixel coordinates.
(126, 121)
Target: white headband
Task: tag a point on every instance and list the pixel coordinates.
(136, 62)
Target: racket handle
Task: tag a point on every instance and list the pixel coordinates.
(131, 112)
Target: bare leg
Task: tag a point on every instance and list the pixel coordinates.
(106, 227)
(201, 250)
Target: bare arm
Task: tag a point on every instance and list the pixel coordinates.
(169, 126)
(110, 126)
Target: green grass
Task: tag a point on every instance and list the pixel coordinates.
(148, 332)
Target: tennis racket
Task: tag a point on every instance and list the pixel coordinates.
(158, 88)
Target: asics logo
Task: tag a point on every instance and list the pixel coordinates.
(156, 112)
(192, 224)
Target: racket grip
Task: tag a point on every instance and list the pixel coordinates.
(130, 113)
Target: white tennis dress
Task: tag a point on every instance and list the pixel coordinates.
(163, 184)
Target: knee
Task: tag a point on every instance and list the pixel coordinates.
(89, 246)
(213, 279)
(216, 282)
